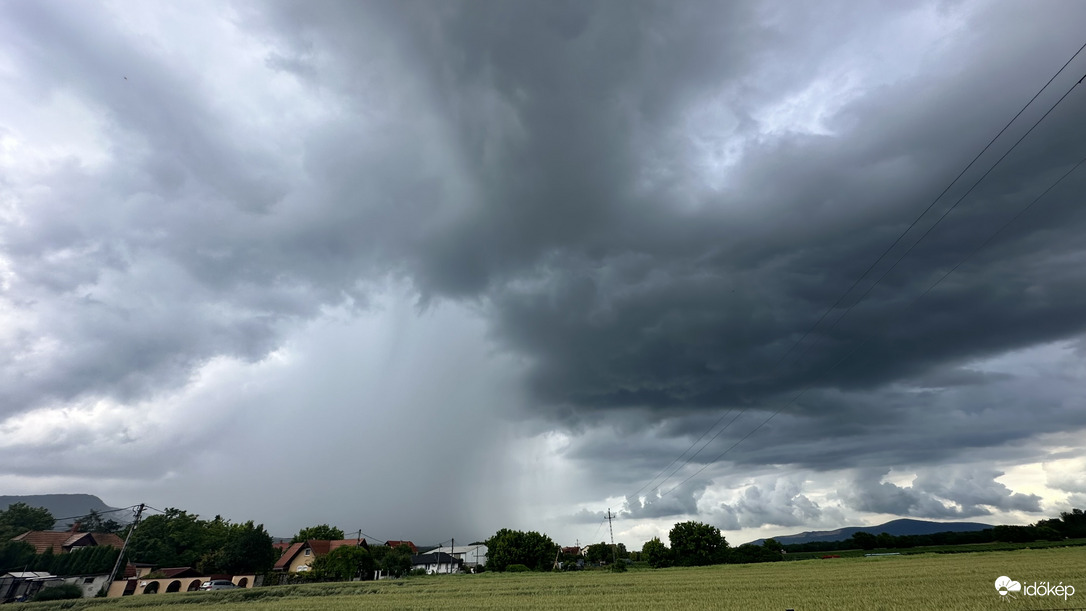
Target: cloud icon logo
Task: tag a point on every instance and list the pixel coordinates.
(1004, 585)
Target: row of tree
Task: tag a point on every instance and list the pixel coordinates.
(179, 538)
(692, 544)
(698, 544)
(350, 562)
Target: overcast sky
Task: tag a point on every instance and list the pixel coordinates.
(432, 269)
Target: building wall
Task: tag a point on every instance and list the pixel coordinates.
(90, 584)
(467, 553)
(169, 585)
(301, 560)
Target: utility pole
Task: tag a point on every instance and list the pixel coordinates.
(614, 554)
(117, 565)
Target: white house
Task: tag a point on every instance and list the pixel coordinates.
(435, 563)
(471, 555)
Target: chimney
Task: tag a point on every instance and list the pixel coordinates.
(75, 527)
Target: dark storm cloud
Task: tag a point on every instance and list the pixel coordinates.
(643, 199)
(910, 423)
(629, 284)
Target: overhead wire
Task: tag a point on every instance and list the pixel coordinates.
(883, 255)
(101, 513)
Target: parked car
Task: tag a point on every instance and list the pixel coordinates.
(217, 584)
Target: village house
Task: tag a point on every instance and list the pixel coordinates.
(299, 557)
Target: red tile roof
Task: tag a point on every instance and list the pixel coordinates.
(394, 544)
(108, 539)
(337, 543)
(288, 556)
(319, 548)
(63, 541)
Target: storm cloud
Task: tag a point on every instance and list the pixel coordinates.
(642, 219)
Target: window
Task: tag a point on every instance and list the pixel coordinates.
(307, 551)
(88, 580)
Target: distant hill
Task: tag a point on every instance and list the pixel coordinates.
(65, 506)
(893, 527)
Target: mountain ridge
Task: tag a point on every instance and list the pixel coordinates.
(65, 507)
(899, 527)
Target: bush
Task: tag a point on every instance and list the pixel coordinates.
(619, 567)
(64, 592)
(517, 568)
(418, 572)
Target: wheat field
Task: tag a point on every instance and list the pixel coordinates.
(929, 581)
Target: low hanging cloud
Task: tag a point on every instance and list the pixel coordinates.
(779, 503)
(939, 495)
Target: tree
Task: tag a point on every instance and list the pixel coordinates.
(598, 553)
(865, 540)
(748, 554)
(175, 538)
(534, 550)
(248, 549)
(20, 517)
(14, 555)
(656, 553)
(93, 523)
(697, 544)
(1073, 523)
(346, 562)
(397, 560)
(320, 532)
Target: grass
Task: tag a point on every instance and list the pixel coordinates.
(938, 549)
(930, 581)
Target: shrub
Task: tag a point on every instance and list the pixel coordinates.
(63, 592)
(619, 567)
(517, 568)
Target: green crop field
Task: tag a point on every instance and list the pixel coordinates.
(939, 549)
(935, 581)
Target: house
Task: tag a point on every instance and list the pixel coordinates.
(470, 556)
(436, 562)
(395, 544)
(66, 541)
(21, 585)
(299, 557)
(90, 584)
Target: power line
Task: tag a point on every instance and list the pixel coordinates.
(101, 513)
(916, 300)
(889, 249)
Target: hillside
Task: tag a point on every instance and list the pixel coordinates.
(65, 506)
(894, 527)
